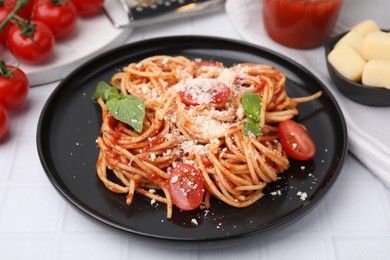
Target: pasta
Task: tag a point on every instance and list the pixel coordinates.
(188, 121)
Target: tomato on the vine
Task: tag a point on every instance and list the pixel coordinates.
(60, 15)
(6, 7)
(88, 7)
(14, 86)
(29, 44)
(26, 11)
(186, 187)
(3, 121)
(296, 141)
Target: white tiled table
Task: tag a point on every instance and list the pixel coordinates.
(352, 222)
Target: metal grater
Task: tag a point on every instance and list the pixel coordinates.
(136, 13)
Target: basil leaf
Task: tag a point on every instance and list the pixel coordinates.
(111, 93)
(101, 88)
(252, 128)
(251, 104)
(128, 109)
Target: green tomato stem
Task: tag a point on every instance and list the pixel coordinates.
(19, 5)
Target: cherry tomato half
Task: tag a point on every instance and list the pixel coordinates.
(13, 88)
(31, 51)
(60, 16)
(3, 121)
(199, 90)
(88, 7)
(6, 7)
(296, 141)
(186, 187)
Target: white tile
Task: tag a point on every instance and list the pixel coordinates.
(77, 221)
(301, 246)
(139, 247)
(90, 247)
(362, 247)
(29, 209)
(26, 166)
(239, 248)
(356, 207)
(309, 222)
(7, 152)
(39, 248)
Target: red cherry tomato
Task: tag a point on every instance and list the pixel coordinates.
(60, 16)
(14, 86)
(3, 121)
(296, 141)
(26, 11)
(6, 7)
(186, 187)
(88, 7)
(200, 91)
(31, 51)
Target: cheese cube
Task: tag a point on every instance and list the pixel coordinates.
(353, 39)
(376, 73)
(347, 62)
(365, 27)
(376, 45)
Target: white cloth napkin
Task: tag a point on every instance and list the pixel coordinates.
(368, 127)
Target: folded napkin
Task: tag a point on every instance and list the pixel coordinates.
(368, 127)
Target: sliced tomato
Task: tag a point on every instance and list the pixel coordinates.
(296, 141)
(186, 187)
(202, 90)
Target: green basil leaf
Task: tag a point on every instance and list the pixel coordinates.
(252, 128)
(128, 109)
(251, 104)
(111, 93)
(101, 88)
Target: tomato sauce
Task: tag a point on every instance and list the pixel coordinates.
(300, 23)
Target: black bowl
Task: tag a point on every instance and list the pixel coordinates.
(370, 96)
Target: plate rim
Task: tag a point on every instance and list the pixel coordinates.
(304, 210)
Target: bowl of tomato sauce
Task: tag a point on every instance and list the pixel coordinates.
(301, 24)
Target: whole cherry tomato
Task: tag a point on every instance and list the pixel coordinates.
(186, 187)
(296, 141)
(3, 121)
(26, 11)
(88, 7)
(6, 8)
(32, 45)
(14, 86)
(59, 15)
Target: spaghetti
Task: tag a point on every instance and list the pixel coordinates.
(194, 115)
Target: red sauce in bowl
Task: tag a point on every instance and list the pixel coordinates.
(300, 23)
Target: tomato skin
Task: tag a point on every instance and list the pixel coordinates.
(88, 8)
(5, 9)
(14, 89)
(61, 19)
(218, 94)
(24, 49)
(296, 141)
(186, 187)
(26, 11)
(3, 121)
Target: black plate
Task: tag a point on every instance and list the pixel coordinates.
(357, 92)
(70, 122)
